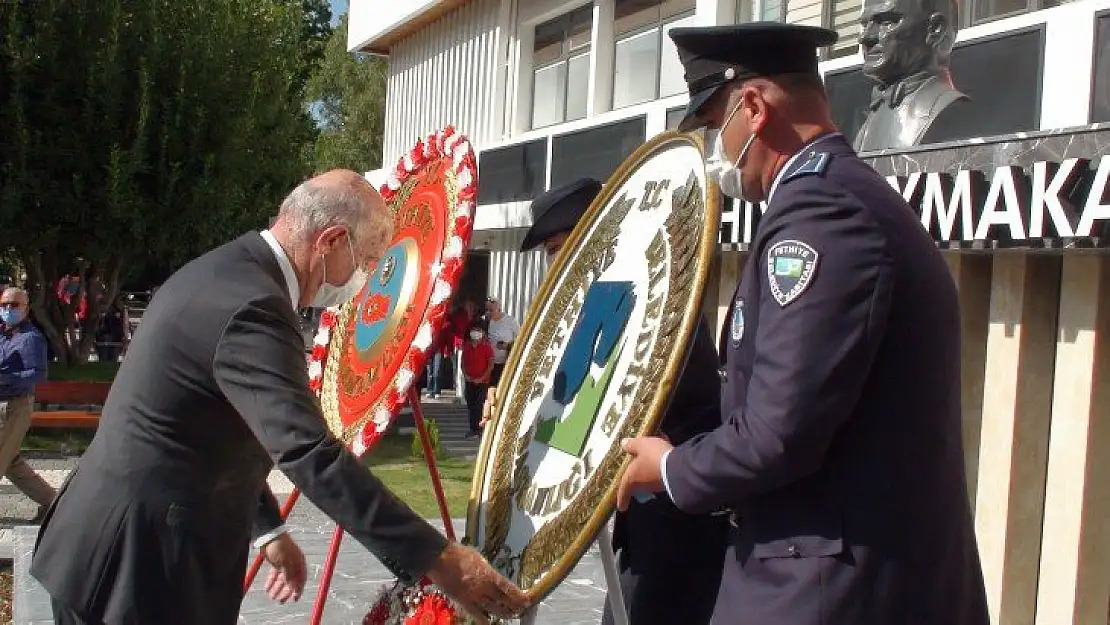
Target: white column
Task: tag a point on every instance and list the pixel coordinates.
(1068, 62)
(1013, 448)
(522, 110)
(601, 60)
(715, 12)
(1075, 555)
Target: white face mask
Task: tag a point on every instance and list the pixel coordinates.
(334, 295)
(475, 336)
(718, 167)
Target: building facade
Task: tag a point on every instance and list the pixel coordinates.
(551, 90)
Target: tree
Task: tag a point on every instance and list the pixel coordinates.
(146, 128)
(348, 92)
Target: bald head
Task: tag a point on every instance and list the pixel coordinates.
(14, 296)
(335, 211)
(339, 197)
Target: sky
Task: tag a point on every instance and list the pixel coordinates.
(338, 7)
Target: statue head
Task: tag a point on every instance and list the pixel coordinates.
(904, 37)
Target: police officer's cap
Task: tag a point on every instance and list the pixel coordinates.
(559, 209)
(715, 55)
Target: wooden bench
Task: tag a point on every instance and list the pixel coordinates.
(89, 395)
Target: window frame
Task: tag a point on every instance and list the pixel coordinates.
(658, 27)
(566, 54)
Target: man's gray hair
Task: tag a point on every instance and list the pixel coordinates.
(14, 290)
(312, 207)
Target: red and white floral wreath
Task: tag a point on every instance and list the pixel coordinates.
(423, 603)
(446, 273)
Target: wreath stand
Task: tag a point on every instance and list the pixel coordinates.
(612, 582)
(337, 538)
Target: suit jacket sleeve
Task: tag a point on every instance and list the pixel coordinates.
(261, 370)
(268, 517)
(696, 405)
(812, 355)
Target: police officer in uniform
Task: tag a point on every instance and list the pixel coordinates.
(839, 453)
(670, 561)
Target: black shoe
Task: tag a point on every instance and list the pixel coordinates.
(473, 434)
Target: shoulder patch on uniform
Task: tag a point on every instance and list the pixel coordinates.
(791, 265)
(813, 163)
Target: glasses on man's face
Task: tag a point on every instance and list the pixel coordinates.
(11, 305)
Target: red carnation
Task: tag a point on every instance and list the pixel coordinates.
(327, 319)
(315, 384)
(379, 614)
(433, 610)
(318, 352)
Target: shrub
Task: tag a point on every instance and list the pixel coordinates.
(433, 433)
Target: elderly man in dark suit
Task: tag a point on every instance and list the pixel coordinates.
(155, 525)
(840, 453)
(670, 561)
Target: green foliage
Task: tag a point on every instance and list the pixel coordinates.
(348, 95)
(144, 129)
(433, 433)
(85, 372)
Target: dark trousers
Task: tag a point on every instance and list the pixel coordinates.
(475, 398)
(63, 615)
(670, 565)
(495, 375)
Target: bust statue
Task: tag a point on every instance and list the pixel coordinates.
(907, 46)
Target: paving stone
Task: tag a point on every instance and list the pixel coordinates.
(357, 581)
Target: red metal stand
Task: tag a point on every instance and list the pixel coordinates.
(337, 538)
(430, 460)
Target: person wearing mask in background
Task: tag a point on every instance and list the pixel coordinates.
(670, 562)
(502, 330)
(840, 456)
(22, 365)
(156, 523)
(477, 364)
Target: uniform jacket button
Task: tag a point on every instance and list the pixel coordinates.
(794, 551)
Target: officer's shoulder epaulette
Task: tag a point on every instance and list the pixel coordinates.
(811, 163)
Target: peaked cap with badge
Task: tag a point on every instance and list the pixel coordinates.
(559, 209)
(713, 56)
(840, 458)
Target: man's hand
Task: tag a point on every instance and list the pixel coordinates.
(287, 578)
(465, 575)
(487, 408)
(643, 474)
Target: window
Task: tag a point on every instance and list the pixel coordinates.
(513, 173)
(674, 117)
(595, 152)
(645, 61)
(979, 11)
(561, 68)
(839, 15)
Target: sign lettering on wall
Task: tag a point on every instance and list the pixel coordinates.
(1007, 206)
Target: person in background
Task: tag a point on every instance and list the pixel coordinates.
(111, 332)
(477, 365)
(461, 319)
(502, 330)
(23, 364)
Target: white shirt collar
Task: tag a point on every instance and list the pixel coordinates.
(286, 268)
(786, 167)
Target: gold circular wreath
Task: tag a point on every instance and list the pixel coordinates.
(691, 230)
